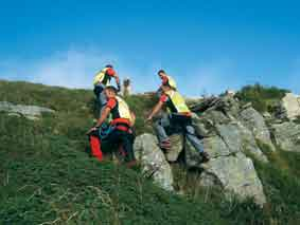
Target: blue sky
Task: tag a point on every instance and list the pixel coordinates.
(208, 46)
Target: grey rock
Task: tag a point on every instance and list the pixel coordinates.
(176, 147)
(231, 135)
(224, 134)
(239, 139)
(255, 122)
(287, 136)
(235, 174)
(228, 105)
(291, 105)
(202, 125)
(30, 112)
(217, 117)
(192, 157)
(215, 147)
(153, 161)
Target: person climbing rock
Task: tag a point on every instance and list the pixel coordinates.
(101, 80)
(166, 80)
(178, 119)
(120, 128)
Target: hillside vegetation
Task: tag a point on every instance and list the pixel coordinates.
(47, 177)
(263, 99)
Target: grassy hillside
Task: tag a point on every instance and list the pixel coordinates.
(46, 177)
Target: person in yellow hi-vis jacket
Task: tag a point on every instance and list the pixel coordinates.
(177, 119)
(120, 127)
(102, 80)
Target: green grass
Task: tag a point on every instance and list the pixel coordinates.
(46, 175)
(263, 98)
(281, 181)
(282, 188)
(141, 106)
(49, 177)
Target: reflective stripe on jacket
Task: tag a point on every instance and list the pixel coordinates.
(121, 113)
(176, 103)
(172, 82)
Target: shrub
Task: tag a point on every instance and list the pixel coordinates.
(262, 98)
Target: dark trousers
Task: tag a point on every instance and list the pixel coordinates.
(121, 138)
(113, 139)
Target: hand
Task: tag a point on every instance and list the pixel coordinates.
(91, 130)
(149, 119)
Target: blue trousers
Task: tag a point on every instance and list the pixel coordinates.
(169, 124)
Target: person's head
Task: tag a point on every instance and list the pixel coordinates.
(110, 91)
(109, 66)
(161, 73)
(166, 88)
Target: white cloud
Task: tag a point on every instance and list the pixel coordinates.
(73, 69)
(76, 69)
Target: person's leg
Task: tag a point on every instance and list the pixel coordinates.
(193, 139)
(127, 142)
(95, 145)
(191, 136)
(160, 128)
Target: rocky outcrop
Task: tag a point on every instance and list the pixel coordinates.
(177, 142)
(229, 128)
(153, 161)
(29, 112)
(229, 133)
(287, 136)
(235, 174)
(232, 134)
(291, 105)
(255, 122)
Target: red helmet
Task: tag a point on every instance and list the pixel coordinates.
(110, 72)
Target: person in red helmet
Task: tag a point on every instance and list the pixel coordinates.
(166, 80)
(120, 128)
(101, 80)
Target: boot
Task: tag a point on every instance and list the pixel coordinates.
(204, 156)
(166, 145)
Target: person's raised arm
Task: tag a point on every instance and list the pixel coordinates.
(103, 116)
(133, 119)
(118, 82)
(101, 120)
(155, 110)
